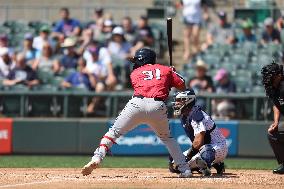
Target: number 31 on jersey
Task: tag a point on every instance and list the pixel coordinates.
(149, 75)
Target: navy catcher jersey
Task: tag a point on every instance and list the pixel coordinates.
(198, 121)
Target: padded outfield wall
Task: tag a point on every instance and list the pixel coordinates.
(81, 136)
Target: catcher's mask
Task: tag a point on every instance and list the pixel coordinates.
(143, 56)
(183, 101)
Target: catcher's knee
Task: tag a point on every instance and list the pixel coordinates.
(204, 158)
(207, 153)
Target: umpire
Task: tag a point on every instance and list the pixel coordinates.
(273, 81)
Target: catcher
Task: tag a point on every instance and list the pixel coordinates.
(209, 147)
(273, 82)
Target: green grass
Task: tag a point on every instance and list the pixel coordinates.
(118, 162)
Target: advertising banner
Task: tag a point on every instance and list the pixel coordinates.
(143, 141)
(6, 136)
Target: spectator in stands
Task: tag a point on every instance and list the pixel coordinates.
(280, 23)
(99, 62)
(28, 50)
(4, 42)
(96, 24)
(118, 46)
(43, 37)
(85, 40)
(144, 35)
(270, 34)
(221, 33)
(224, 108)
(105, 34)
(129, 31)
(192, 18)
(201, 82)
(81, 78)
(6, 63)
(21, 74)
(70, 57)
(247, 35)
(66, 27)
(98, 16)
(46, 61)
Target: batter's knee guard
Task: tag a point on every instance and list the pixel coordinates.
(277, 145)
(106, 143)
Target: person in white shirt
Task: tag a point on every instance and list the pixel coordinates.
(192, 19)
(6, 63)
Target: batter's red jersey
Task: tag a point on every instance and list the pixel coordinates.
(155, 81)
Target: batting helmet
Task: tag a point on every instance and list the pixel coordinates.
(184, 100)
(143, 56)
(268, 72)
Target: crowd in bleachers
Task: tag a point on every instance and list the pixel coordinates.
(92, 56)
(69, 54)
(234, 54)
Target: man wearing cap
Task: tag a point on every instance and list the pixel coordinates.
(247, 35)
(105, 59)
(224, 108)
(221, 33)
(43, 37)
(118, 46)
(201, 82)
(21, 74)
(4, 42)
(28, 50)
(270, 34)
(70, 57)
(6, 63)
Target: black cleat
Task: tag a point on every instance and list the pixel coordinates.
(279, 170)
(220, 168)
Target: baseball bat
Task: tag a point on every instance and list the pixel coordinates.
(170, 42)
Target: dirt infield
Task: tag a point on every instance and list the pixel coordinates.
(133, 178)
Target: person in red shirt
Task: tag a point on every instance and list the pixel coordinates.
(151, 83)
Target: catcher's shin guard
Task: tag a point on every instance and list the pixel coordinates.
(276, 141)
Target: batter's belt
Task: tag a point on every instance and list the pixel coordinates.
(155, 98)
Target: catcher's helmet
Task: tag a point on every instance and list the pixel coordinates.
(144, 56)
(183, 100)
(268, 73)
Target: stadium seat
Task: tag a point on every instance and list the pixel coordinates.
(213, 60)
(242, 73)
(228, 66)
(67, 72)
(45, 75)
(257, 89)
(56, 81)
(243, 84)
(239, 60)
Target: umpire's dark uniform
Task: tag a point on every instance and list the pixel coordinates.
(276, 139)
(273, 81)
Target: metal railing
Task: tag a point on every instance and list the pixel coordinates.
(249, 106)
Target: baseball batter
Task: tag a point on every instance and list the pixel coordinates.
(151, 83)
(208, 144)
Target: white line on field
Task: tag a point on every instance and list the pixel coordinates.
(29, 183)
